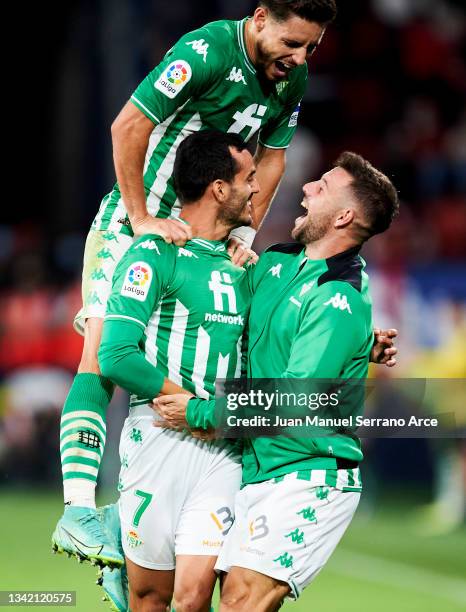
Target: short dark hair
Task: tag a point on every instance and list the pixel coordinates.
(322, 12)
(373, 190)
(204, 157)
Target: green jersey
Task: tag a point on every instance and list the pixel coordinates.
(206, 80)
(309, 319)
(175, 312)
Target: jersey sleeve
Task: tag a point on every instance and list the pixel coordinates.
(140, 280)
(332, 330)
(279, 131)
(188, 68)
(200, 414)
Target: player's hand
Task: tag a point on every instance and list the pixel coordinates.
(172, 409)
(203, 434)
(383, 350)
(170, 230)
(241, 253)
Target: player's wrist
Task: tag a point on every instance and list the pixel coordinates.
(138, 220)
(245, 234)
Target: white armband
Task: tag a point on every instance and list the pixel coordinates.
(245, 234)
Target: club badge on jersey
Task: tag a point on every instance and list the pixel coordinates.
(174, 78)
(137, 281)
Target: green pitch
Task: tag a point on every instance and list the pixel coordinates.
(380, 565)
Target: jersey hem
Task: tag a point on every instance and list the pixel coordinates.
(148, 564)
(268, 146)
(150, 115)
(125, 318)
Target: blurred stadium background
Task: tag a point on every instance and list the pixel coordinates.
(389, 81)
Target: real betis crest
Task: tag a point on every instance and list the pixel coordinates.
(281, 86)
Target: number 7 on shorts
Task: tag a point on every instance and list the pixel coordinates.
(146, 499)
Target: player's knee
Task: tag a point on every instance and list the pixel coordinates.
(193, 598)
(235, 595)
(149, 601)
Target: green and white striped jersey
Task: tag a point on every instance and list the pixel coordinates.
(185, 309)
(206, 80)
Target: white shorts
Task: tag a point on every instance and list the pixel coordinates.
(287, 530)
(176, 493)
(102, 252)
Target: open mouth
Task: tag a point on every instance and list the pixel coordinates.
(282, 68)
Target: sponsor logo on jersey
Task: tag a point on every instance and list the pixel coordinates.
(185, 253)
(276, 270)
(212, 543)
(150, 245)
(133, 539)
(174, 78)
(218, 317)
(251, 117)
(221, 285)
(340, 302)
(293, 122)
(252, 551)
(236, 76)
(200, 46)
(137, 281)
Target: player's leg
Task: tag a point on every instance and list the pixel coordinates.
(82, 442)
(114, 581)
(246, 589)
(284, 533)
(205, 520)
(194, 583)
(150, 590)
(83, 423)
(153, 484)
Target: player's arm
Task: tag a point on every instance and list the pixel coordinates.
(122, 361)
(130, 137)
(274, 138)
(270, 165)
(182, 411)
(141, 278)
(183, 73)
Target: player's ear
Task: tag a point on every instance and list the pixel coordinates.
(260, 17)
(220, 190)
(344, 217)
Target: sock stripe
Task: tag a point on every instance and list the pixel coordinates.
(83, 414)
(82, 436)
(72, 451)
(73, 475)
(79, 467)
(82, 423)
(78, 426)
(77, 459)
(72, 441)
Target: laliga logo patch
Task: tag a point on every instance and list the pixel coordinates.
(293, 122)
(137, 281)
(174, 78)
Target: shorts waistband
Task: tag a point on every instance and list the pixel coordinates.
(143, 410)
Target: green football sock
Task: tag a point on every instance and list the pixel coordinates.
(82, 437)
